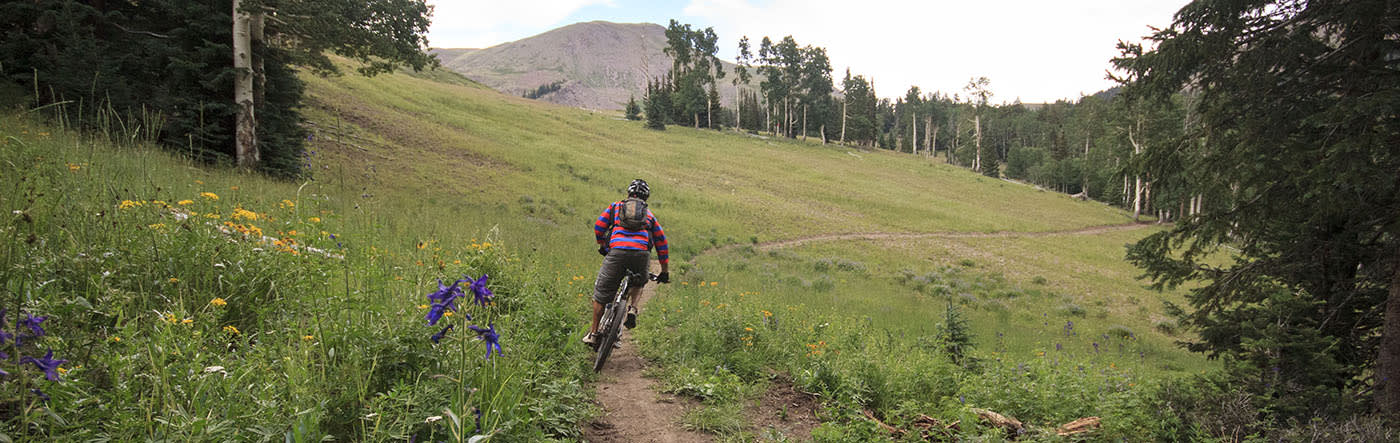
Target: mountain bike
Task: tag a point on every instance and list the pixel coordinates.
(610, 325)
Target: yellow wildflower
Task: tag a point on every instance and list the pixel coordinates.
(209, 195)
(199, 182)
(128, 204)
(187, 321)
(456, 262)
(314, 219)
(288, 204)
(61, 371)
(307, 337)
(714, 283)
(174, 280)
(116, 338)
(422, 306)
(218, 301)
(184, 202)
(73, 167)
(233, 188)
(748, 329)
(232, 330)
(156, 225)
(170, 318)
(241, 213)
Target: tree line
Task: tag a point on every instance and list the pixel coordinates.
(217, 79)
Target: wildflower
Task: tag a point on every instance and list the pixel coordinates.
(443, 300)
(32, 322)
(438, 336)
(187, 322)
(232, 330)
(489, 336)
(73, 167)
(209, 195)
(128, 204)
(40, 394)
(308, 337)
(481, 295)
(116, 338)
(288, 204)
(185, 202)
(233, 188)
(748, 329)
(46, 364)
(314, 219)
(174, 280)
(714, 283)
(156, 226)
(241, 213)
(218, 301)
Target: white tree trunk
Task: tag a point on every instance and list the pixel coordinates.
(977, 140)
(804, 123)
(928, 135)
(914, 137)
(245, 146)
(843, 121)
(933, 141)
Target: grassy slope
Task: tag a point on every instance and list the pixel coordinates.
(541, 172)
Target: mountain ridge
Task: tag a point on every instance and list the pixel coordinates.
(599, 64)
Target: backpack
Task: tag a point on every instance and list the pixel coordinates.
(632, 215)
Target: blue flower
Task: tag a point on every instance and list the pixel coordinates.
(443, 300)
(32, 323)
(489, 336)
(438, 336)
(481, 295)
(46, 364)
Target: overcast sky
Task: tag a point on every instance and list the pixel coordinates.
(1034, 50)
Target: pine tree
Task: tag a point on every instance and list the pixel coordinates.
(633, 111)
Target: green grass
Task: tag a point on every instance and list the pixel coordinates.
(414, 174)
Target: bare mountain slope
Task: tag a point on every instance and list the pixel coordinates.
(600, 64)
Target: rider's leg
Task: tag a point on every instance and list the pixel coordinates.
(597, 314)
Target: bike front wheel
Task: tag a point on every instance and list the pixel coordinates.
(610, 328)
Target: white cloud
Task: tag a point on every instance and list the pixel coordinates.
(479, 24)
(1032, 49)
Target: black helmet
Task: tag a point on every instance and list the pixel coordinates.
(639, 188)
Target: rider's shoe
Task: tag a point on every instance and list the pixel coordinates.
(590, 339)
(631, 320)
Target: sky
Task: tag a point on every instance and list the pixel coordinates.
(1032, 50)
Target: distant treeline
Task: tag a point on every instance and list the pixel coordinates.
(543, 90)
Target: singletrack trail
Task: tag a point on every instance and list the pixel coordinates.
(633, 410)
(778, 244)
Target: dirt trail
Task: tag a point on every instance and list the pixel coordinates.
(633, 410)
(768, 246)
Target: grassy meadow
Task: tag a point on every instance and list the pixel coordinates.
(429, 176)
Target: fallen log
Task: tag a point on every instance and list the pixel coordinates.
(1079, 426)
(1011, 425)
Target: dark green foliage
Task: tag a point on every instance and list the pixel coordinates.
(1292, 139)
(543, 90)
(633, 111)
(657, 102)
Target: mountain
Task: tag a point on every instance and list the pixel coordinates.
(598, 64)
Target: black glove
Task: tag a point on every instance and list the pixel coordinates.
(663, 277)
(603, 251)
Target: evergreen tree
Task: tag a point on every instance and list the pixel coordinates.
(1292, 136)
(633, 110)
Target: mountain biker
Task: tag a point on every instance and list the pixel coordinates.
(624, 248)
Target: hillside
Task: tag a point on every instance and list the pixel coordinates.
(601, 64)
(832, 267)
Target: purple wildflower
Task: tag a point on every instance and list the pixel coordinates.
(1096, 346)
(1058, 347)
(46, 364)
(438, 336)
(32, 323)
(40, 394)
(477, 411)
(443, 300)
(481, 295)
(489, 336)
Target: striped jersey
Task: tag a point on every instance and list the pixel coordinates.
(606, 229)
